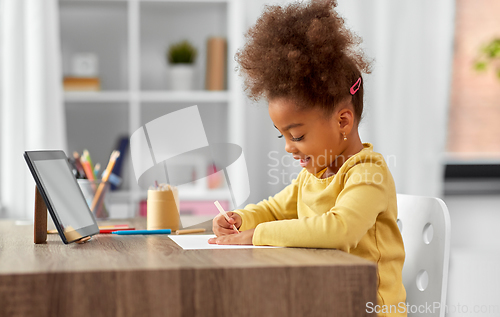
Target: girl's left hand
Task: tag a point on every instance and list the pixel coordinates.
(244, 237)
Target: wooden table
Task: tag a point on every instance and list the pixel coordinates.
(152, 276)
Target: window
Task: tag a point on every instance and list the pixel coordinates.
(473, 144)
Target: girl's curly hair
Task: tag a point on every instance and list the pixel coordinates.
(303, 52)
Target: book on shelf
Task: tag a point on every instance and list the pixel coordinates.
(122, 145)
(81, 84)
(216, 64)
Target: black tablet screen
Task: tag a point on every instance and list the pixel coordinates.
(66, 197)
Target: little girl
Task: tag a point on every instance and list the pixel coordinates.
(303, 60)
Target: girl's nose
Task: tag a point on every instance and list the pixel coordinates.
(290, 148)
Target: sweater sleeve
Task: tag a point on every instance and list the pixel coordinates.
(342, 226)
(281, 206)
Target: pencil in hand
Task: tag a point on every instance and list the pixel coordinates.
(224, 213)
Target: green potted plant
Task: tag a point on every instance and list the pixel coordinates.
(181, 57)
(489, 56)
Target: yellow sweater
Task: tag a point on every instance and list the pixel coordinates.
(354, 210)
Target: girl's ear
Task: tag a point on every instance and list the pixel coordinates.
(346, 120)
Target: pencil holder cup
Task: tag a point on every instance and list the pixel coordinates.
(89, 190)
(163, 209)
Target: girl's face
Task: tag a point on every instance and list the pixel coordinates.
(313, 139)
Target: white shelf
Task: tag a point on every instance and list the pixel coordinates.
(91, 1)
(96, 96)
(215, 194)
(130, 38)
(188, 1)
(184, 96)
(198, 96)
(167, 1)
(205, 195)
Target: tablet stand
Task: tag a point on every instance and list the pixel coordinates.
(40, 232)
(40, 218)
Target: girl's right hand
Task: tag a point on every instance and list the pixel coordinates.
(222, 227)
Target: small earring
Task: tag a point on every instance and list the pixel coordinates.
(345, 138)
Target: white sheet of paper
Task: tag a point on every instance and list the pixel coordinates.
(200, 242)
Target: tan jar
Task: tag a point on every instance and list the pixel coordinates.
(163, 212)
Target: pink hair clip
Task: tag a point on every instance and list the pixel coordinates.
(358, 84)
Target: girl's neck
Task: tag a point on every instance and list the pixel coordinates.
(354, 146)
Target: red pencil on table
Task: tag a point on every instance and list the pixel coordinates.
(114, 229)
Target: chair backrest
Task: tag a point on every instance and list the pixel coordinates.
(425, 225)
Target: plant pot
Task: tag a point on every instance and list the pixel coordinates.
(181, 76)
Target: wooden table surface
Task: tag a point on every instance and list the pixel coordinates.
(150, 275)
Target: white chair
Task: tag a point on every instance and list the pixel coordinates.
(424, 223)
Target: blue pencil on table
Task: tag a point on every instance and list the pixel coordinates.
(132, 232)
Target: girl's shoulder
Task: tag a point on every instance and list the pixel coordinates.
(365, 161)
(368, 167)
(366, 156)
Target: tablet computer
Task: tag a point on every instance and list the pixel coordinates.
(62, 194)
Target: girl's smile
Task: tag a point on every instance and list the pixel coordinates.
(313, 138)
(303, 162)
